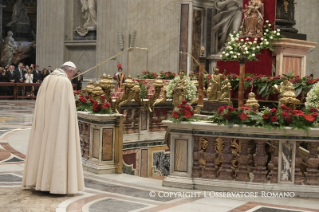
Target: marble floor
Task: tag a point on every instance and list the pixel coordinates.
(112, 192)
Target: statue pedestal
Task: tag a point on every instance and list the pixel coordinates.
(209, 106)
(21, 32)
(91, 35)
(291, 55)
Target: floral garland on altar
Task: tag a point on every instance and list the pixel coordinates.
(183, 112)
(239, 47)
(191, 88)
(267, 118)
(87, 104)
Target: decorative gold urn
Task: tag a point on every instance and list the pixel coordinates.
(287, 94)
(106, 83)
(97, 91)
(90, 87)
(288, 98)
(252, 102)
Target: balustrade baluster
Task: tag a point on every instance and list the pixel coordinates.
(243, 162)
(273, 164)
(196, 169)
(312, 164)
(226, 157)
(260, 160)
(210, 171)
(298, 160)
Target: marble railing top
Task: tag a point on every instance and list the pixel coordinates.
(206, 128)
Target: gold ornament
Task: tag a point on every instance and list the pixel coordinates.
(158, 85)
(252, 102)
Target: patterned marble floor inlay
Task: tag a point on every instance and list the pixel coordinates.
(133, 192)
(9, 178)
(110, 205)
(266, 209)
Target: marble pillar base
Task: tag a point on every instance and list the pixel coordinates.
(97, 168)
(235, 186)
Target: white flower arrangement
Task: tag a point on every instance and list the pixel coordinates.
(191, 90)
(247, 49)
(312, 99)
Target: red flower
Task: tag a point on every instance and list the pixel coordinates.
(274, 119)
(209, 76)
(108, 104)
(230, 108)
(92, 101)
(166, 75)
(243, 116)
(104, 106)
(96, 107)
(187, 114)
(76, 92)
(102, 96)
(154, 74)
(188, 107)
(184, 101)
(288, 119)
(83, 100)
(313, 110)
(87, 97)
(273, 110)
(175, 115)
(227, 116)
(298, 112)
(309, 117)
(315, 115)
(266, 116)
(245, 107)
(284, 107)
(285, 114)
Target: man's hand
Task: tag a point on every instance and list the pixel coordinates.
(12, 80)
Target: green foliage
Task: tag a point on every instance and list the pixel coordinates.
(143, 91)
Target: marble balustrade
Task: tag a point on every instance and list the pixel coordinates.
(243, 159)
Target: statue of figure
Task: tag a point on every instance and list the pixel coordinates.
(287, 95)
(283, 87)
(225, 91)
(89, 16)
(89, 12)
(20, 14)
(215, 86)
(179, 91)
(253, 19)
(227, 20)
(10, 47)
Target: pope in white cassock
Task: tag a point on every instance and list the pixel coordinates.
(53, 160)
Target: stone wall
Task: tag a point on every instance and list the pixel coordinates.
(50, 33)
(306, 15)
(156, 24)
(157, 28)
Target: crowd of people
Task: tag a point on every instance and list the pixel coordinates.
(27, 74)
